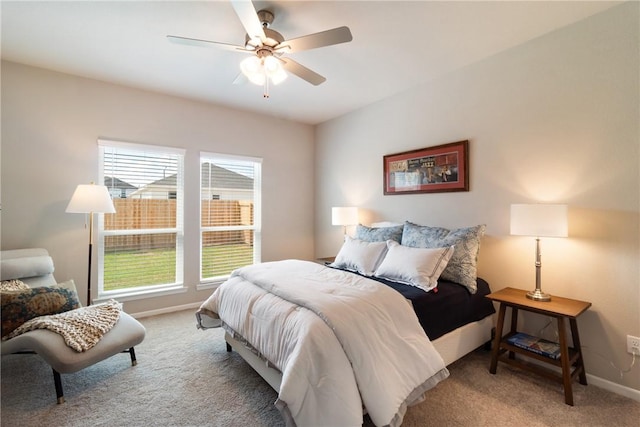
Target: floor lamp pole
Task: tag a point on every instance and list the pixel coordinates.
(90, 256)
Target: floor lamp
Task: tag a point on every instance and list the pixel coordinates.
(539, 220)
(90, 199)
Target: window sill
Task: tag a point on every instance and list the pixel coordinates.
(203, 286)
(141, 294)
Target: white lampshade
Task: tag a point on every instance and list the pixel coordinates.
(344, 216)
(273, 69)
(252, 68)
(258, 69)
(91, 198)
(539, 220)
(278, 76)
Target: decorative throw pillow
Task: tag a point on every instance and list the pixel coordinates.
(419, 267)
(19, 306)
(379, 234)
(13, 285)
(358, 255)
(462, 267)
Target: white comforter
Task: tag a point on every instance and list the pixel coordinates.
(341, 341)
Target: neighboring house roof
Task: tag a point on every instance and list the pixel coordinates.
(112, 182)
(223, 178)
(220, 177)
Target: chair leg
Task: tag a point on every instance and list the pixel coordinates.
(58, 382)
(57, 379)
(132, 353)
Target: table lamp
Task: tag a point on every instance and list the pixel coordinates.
(539, 220)
(344, 216)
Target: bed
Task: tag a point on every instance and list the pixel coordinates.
(364, 334)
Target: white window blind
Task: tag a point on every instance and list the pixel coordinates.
(141, 245)
(230, 214)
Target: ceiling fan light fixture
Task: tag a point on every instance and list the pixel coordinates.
(279, 76)
(252, 68)
(274, 70)
(271, 66)
(258, 70)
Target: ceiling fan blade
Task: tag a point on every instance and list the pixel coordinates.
(249, 18)
(313, 41)
(205, 43)
(303, 72)
(240, 79)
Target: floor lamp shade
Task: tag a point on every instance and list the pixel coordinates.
(539, 220)
(90, 199)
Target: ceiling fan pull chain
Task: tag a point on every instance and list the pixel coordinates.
(266, 84)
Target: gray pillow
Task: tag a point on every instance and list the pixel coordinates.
(379, 234)
(462, 267)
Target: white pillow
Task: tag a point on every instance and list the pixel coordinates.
(420, 267)
(358, 255)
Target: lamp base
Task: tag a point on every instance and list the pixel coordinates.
(538, 295)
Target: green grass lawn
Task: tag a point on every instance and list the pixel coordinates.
(157, 266)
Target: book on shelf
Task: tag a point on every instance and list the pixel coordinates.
(537, 345)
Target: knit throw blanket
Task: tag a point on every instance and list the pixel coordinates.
(81, 328)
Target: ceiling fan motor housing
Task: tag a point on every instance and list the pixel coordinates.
(273, 39)
(265, 17)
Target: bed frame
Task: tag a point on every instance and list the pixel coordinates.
(451, 346)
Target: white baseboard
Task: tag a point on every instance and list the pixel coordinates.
(194, 305)
(614, 387)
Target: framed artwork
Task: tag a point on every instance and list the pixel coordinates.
(437, 169)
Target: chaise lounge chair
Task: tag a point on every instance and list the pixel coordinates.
(35, 268)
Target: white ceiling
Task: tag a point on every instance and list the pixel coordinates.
(396, 45)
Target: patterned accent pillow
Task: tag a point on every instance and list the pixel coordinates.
(379, 234)
(358, 255)
(13, 285)
(462, 267)
(419, 267)
(19, 306)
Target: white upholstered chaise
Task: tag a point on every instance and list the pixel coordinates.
(35, 268)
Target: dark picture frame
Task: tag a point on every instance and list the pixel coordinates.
(437, 169)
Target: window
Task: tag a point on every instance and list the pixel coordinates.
(230, 214)
(141, 245)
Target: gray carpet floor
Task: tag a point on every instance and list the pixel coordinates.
(185, 377)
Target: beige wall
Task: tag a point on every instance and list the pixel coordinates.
(554, 120)
(50, 126)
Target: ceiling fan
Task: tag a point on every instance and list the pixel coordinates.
(267, 62)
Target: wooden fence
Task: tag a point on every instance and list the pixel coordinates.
(145, 214)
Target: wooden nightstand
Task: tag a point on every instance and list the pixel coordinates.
(326, 260)
(560, 308)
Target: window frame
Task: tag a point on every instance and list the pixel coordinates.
(256, 228)
(177, 286)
